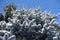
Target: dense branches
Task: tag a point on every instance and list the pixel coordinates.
(27, 24)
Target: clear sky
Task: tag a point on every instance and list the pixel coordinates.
(50, 5)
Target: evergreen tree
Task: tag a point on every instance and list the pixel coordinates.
(8, 9)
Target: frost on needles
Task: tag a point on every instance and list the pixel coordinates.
(28, 24)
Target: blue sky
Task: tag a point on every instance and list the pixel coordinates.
(53, 5)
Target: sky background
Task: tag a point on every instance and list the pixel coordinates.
(50, 5)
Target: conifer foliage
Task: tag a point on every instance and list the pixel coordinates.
(28, 24)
